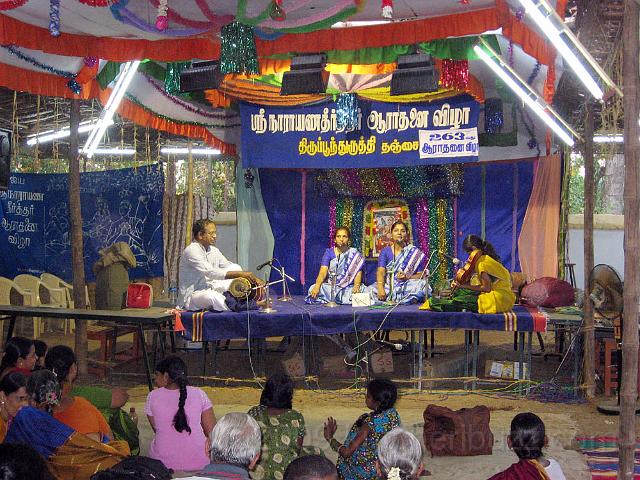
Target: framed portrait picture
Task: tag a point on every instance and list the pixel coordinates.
(378, 221)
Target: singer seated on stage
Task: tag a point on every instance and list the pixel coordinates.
(400, 276)
(204, 272)
(482, 285)
(343, 267)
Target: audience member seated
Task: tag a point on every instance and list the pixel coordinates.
(357, 456)
(13, 396)
(75, 412)
(40, 348)
(22, 462)
(108, 401)
(527, 439)
(235, 448)
(19, 356)
(399, 456)
(311, 467)
(69, 454)
(283, 428)
(181, 416)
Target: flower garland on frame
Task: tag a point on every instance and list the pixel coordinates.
(372, 232)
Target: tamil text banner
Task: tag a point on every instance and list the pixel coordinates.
(387, 135)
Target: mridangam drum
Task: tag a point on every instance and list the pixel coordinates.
(241, 288)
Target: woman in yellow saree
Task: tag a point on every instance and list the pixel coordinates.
(69, 454)
(487, 291)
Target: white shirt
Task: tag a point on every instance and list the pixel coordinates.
(202, 269)
(554, 471)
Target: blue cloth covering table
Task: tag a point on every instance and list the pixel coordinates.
(295, 318)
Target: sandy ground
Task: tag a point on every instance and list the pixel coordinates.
(563, 422)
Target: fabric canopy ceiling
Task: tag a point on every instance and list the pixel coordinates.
(34, 60)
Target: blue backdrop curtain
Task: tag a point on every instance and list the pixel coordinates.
(506, 186)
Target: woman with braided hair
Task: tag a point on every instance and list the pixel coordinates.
(75, 412)
(181, 438)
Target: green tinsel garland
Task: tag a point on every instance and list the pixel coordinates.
(172, 76)
(238, 52)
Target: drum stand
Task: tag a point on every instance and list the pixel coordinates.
(332, 299)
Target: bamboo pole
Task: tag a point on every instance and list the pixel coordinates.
(77, 248)
(589, 202)
(629, 392)
(189, 192)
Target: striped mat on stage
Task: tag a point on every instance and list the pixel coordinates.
(539, 319)
(602, 457)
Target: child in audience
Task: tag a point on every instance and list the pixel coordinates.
(357, 456)
(282, 428)
(181, 416)
(19, 356)
(527, 439)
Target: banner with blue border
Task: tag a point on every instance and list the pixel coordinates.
(387, 135)
(117, 206)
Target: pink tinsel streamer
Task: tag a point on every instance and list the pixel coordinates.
(423, 226)
(454, 74)
(455, 226)
(352, 180)
(303, 226)
(332, 220)
(390, 182)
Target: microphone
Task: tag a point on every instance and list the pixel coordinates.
(397, 346)
(262, 265)
(455, 260)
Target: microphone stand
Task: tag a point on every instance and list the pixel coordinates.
(285, 289)
(267, 308)
(332, 298)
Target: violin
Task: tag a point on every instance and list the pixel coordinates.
(464, 273)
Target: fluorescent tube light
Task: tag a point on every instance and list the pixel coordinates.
(122, 83)
(50, 135)
(608, 138)
(528, 96)
(194, 151)
(114, 151)
(553, 26)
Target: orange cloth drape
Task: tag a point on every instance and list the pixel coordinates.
(538, 242)
(140, 116)
(108, 48)
(39, 83)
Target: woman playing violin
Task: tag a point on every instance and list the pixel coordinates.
(483, 285)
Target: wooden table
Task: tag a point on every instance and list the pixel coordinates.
(153, 318)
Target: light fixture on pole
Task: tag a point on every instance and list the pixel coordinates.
(551, 25)
(194, 151)
(114, 151)
(49, 135)
(124, 79)
(546, 113)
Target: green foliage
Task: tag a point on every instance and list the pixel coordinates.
(576, 184)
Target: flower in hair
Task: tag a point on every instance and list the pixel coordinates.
(51, 398)
(394, 474)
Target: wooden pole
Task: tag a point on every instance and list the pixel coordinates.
(189, 192)
(77, 248)
(629, 392)
(589, 202)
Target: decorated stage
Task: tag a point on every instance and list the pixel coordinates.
(295, 318)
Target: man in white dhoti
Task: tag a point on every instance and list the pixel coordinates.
(204, 272)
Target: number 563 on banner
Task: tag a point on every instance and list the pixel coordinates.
(448, 143)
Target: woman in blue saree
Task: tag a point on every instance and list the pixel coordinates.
(69, 454)
(400, 273)
(346, 264)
